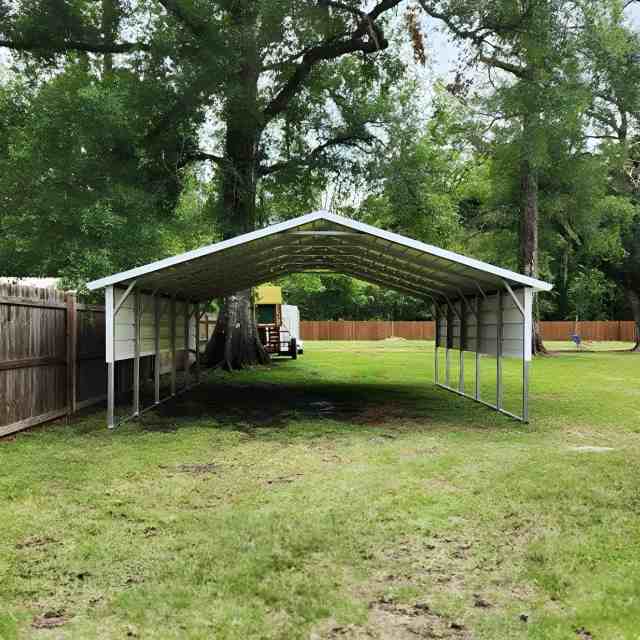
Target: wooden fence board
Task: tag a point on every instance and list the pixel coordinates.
(614, 330)
(52, 356)
(33, 356)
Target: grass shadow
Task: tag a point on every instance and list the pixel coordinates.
(264, 408)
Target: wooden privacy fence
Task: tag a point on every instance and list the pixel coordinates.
(597, 331)
(365, 330)
(613, 330)
(52, 356)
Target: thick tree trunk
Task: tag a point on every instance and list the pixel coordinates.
(110, 19)
(529, 225)
(563, 286)
(235, 342)
(634, 300)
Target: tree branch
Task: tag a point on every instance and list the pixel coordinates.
(520, 72)
(344, 140)
(367, 38)
(201, 156)
(173, 7)
(65, 46)
(479, 37)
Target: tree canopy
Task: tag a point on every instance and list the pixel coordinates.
(131, 130)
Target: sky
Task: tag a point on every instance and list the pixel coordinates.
(444, 53)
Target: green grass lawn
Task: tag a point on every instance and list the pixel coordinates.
(337, 496)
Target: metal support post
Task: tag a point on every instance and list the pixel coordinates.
(173, 345)
(197, 317)
(462, 346)
(499, 351)
(136, 357)
(478, 393)
(187, 323)
(447, 360)
(436, 315)
(110, 339)
(156, 348)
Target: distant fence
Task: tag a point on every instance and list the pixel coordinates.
(365, 330)
(597, 331)
(613, 330)
(52, 356)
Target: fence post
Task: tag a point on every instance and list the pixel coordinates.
(72, 352)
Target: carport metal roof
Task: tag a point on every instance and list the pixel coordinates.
(478, 307)
(319, 241)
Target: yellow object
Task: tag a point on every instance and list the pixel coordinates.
(268, 294)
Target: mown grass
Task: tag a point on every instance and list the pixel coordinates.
(339, 495)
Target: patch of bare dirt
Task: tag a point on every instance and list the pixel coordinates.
(284, 479)
(50, 619)
(35, 541)
(389, 620)
(583, 634)
(198, 469)
(387, 413)
(247, 407)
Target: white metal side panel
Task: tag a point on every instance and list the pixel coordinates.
(180, 325)
(470, 326)
(124, 333)
(455, 326)
(124, 326)
(514, 326)
(165, 331)
(442, 327)
(489, 325)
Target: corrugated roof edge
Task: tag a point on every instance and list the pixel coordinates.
(172, 261)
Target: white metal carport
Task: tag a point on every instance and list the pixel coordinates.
(478, 307)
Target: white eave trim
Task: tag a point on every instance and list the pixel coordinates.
(450, 256)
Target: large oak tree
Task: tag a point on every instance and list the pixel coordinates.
(255, 87)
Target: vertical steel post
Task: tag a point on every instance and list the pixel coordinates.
(447, 363)
(436, 315)
(173, 345)
(136, 356)
(187, 323)
(527, 337)
(109, 308)
(525, 390)
(478, 345)
(197, 342)
(156, 359)
(461, 346)
(499, 350)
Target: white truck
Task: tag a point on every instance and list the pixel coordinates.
(291, 323)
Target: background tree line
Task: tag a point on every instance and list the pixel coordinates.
(132, 130)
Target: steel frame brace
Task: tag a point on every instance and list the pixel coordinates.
(476, 311)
